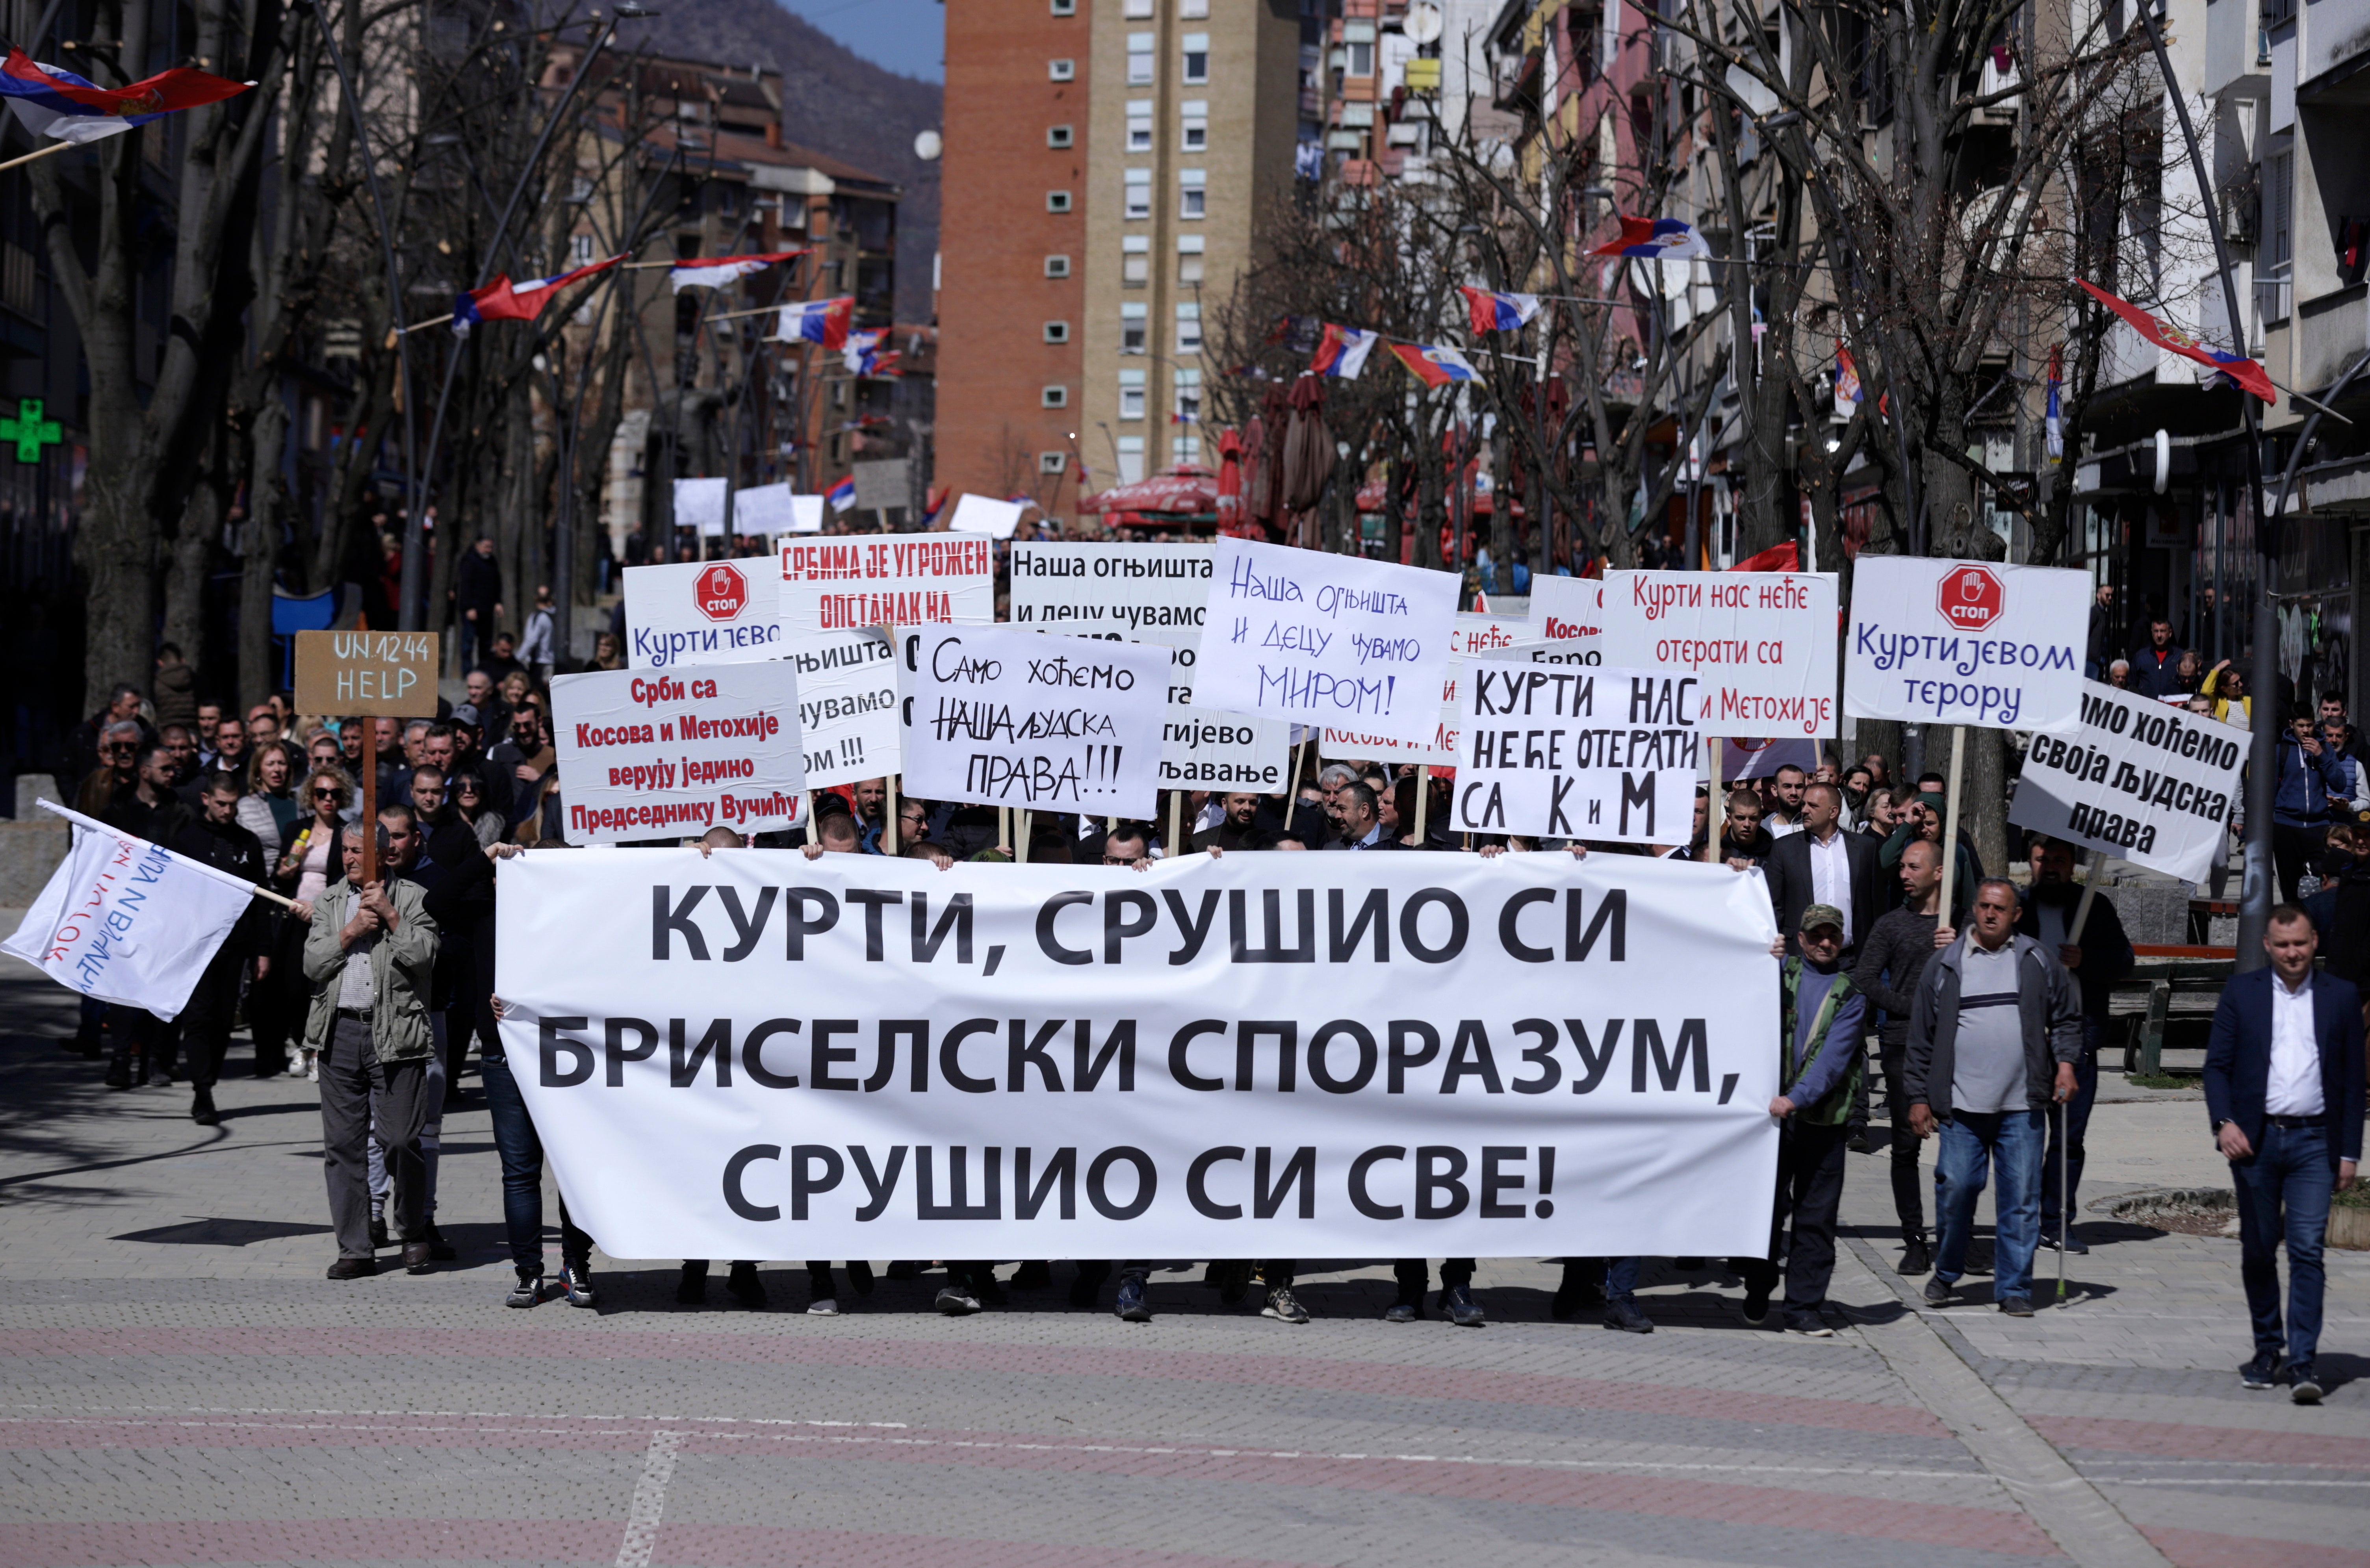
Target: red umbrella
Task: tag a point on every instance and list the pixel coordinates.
(1187, 490)
(1230, 489)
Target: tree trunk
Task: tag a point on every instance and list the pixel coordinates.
(259, 669)
(192, 552)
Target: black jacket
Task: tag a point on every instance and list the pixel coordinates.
(1891, 958)
(2049, 1005)
(1792, 888)
(2106, 950)
(2239, 1057)
(477, 584)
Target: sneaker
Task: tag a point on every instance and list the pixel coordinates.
(160, 1077)
(743, 1286)
(579, 1285)
(1457, 1305)
(1575, 1296)
(2262, 1373)
(1625, 1316)
(2075, 1246)
(823, 1306)
(1035, 1275)
(438, 1248)
(1133, 1307)
(2017, 1306)
(1869, 1143)
(1915, 1260)
(859, 1274)
(312, 1067)
(691, 1290)
(2303, 1384)
(1754, 1309)
(201, 1109)
(1938, 1292)
(1807, 1325)
(527, 1292)
(1285, 1307)
(956, 1300)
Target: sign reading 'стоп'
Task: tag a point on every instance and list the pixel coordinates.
(1966, 643)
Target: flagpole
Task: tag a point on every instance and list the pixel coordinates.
(45, 152)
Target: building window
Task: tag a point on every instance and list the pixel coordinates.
(1058, 136)
(1065, 7)
(1188, 262)
(1360, 38)
(1138, 11)
(1188, 389)
(1135, 260)
(1195, 115)
(1131, 459)
(1057, 266)
(1062, 70)
(1139, 58)
(1193, 195)
(1130, 394)
(1057, 201)
(1054, 396)
(1132, 320)
(1057, 332)
(1192, 10)
(1052, 462)
(1138, 204)
(1184, 449)
(1139, 125)
(1188, 328)
(579, 250)
(1197, 59)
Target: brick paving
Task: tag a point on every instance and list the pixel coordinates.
(180, 1385)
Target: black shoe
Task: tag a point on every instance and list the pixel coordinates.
(353, 1268)
(117, 1076)
(2262, 1373)
(1233, 1279)
(1403, 1311)
(743, 1286)
(2075, 1246)
(1131, 1307)
(1576, 1295)
(1915, 1260)
(1285, 1307)
(859, 1274)
(160, 1077)
(201, 1109)
(1938, 1292)
(438, 1248)
(1625, 1316)
(1457, 1304)
(1869, 1143)
(2017, 1306)
(904, 1268)
(416, 1260)
(2303, 1384)
(580, 1286)
(378, 1231)
(691, 1290)
(1808, 1323)
(1033, 1277)
(1755, 1307)
(528, 1292)
(956, 1300)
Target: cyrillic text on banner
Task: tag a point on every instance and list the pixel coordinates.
(847, 704)
(997, 716)
(1761, 645)
(718, 612)
(1597, 753)
(2139, 779)
(672, 753)
(896, 580)
(1966, 643)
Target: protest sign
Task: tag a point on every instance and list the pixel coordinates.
(699, 505)
(1744, 757)
(716, 612)
(886, 580)
(387, 673)
(1966, 643)
(1600, 753)
(847, 704)
(774, 509)
(1001, 716)
(126, 921)
(1157, 593)
(1267, 1055)
(1484, 637)
(2151, 784)
(648, 755)
(1326, 639)
(1569, 610)
(985, 515)
(1761, 645)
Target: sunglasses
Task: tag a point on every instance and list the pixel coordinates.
(466, 789)
(328, 794)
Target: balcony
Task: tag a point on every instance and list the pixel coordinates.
(2331, 333)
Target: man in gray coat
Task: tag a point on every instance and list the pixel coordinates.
(1994, 1032)
(370, 958)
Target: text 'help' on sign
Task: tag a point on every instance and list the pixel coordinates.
(389, 673)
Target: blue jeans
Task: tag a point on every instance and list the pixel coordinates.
(1973, 1143)
(2283, 1192)
(1621, 1279)
(522, 1155)
(2076, 1119)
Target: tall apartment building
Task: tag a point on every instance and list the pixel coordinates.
(1107, 162)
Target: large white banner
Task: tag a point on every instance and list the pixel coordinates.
(1761, 645)
(1966, 643)
(1001, 716)
(1317, 638)
(1267, 1055)
(648, 755)
(1601, 754)
(847, 704)
(2141, 781)
(125, 920)
(886, 580)
(716, 612)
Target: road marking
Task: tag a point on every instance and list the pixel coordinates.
(650, 1498)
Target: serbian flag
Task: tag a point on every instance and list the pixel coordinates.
(2054, 427)
(502, 300)
(1666, 239)
(1495, 312)
(1847, 392)
(51, 102)
(2244, 372)
(1434, 366)
(717, 270)
(824, 321)
(861, 354)
(1342, 352)
(842, 495)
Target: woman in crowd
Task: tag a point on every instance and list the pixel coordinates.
(304, 871)
(469, 800)
(607, 654)
(270, 810)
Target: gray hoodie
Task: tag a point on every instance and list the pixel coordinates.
(2049, 1007)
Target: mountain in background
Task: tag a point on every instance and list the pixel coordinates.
(833, 101)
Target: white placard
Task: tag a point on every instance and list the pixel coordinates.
(1331, 640)
(985, 514)
(758, 1056)
(699, 503)
(1966, 643)
(1760, 645)
(1569, 610)
(2145, 783)
(1437, 749)
(886, 580)
(774, 509)
(672, 753)
(847, 704)
(1604, 753)
(1001, 716)
(717, 612)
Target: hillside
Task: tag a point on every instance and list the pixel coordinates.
(831, 101)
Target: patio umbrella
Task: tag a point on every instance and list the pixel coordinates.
(1230, 487)
(1307, 447)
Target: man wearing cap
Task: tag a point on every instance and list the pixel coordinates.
(1820, 1013)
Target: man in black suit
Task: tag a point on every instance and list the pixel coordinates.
(2283, 1085)
(1823, 864)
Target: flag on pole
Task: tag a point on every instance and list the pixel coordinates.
(842, 495)
(502, 300)
(1342, 352)
(2243, 372)
(2055, 425)
(1433, 364)
(49, 101)
(715, 271)
(1494, 312)
(1847, 393)
(862, 355)
(824, 321)
(1666, 239)
(127, 921)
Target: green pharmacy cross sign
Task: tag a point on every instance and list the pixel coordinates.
(30, 430)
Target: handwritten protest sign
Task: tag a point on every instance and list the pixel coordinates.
(887, 580)
(1966, 643)
(1002, 717)
(652, 755)
(2151, 784)
(847, 704)
(1604, 753)
(1761, 645)
(1326, 639)
(716, 612)
(389, 672)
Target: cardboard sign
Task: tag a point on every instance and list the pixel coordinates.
(671, 754)
(886, 580)
(1604, 754)
(2150, 784)
(1000, 717)
(985, 514)
(847, 704)
(390, 674)
(1966, 643)
(1760, 645)
(714, 612)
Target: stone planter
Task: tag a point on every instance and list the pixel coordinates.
(2349, 1226)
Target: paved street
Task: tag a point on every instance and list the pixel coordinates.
(182, 1385)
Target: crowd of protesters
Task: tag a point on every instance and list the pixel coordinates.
(1986, 1017)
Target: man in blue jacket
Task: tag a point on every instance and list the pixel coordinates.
(2283, 1086)
(2309, 775)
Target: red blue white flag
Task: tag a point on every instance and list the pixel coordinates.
(1495, 312)
(2243, 372)
(714, 272)
(1342, 352)
(1666, 239)
(502, 300)
(824, 321)
(2054, 427)
(842, 495)
(53, 102)
(1433, 364)
(1847, 390)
